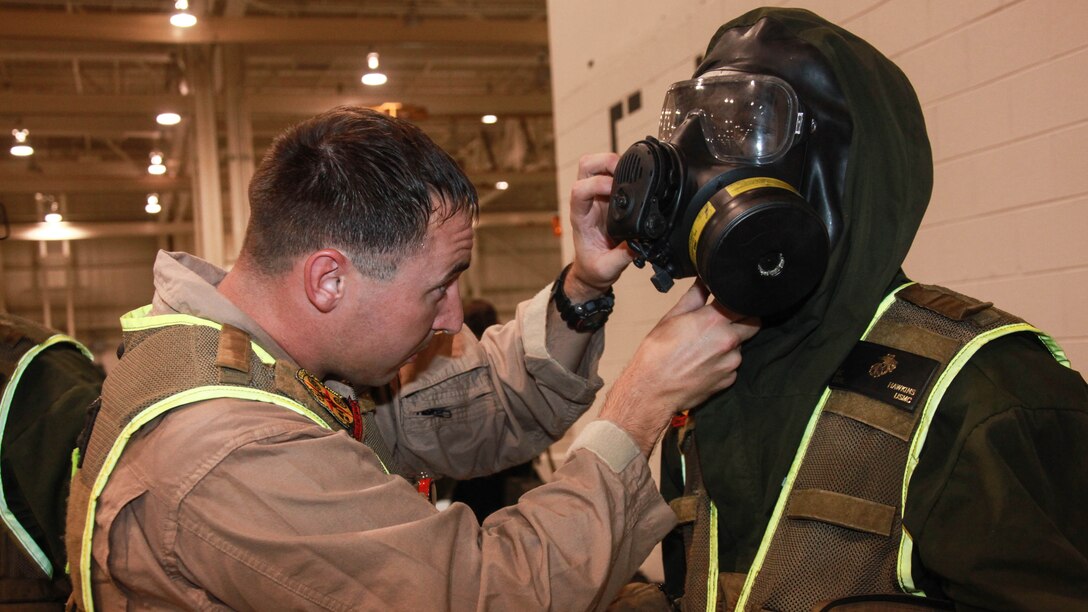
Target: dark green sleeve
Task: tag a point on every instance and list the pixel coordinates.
(998, 505)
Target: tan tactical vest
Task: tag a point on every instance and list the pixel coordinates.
(26, 572)
(171, 361)
(837, 529)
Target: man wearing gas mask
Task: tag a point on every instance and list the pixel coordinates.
(886, 442)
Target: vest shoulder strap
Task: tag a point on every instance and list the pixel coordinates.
(163, 368)
(945, 302)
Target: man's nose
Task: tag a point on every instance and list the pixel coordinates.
(452, 315)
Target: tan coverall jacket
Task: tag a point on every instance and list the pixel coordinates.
(229, 504)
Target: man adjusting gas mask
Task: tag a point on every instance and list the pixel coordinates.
(719, 194)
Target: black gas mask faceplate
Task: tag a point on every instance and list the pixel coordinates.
(719, 199)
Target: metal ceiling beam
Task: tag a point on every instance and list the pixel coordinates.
(83, 231)
(53, 55)
(305, 105)
(105, 51)
(394, 55)
(12, 104)
(59, 181)
(274, 54)
(156, 28)
(98, 126)
(68, 183)
(96, 104)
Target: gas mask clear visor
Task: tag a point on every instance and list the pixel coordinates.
(745, 118)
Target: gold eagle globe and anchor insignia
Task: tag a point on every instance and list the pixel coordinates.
(886, 365)
(345, 410)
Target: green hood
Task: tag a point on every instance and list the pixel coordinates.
(869, 174)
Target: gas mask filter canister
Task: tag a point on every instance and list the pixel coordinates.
(716, 194)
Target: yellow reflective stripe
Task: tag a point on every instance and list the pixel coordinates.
(25, 540)
(960, 359)
(75, 463)
(885, 304)
(130, 320)
(779, 509)
(904, 569)
(1055, 350)
(147, 414)
(140, 320)
(712, 572)
(787, 484)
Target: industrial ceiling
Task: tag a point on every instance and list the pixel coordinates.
(87, 78)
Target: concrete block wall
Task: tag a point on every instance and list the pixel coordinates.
(1002, 84)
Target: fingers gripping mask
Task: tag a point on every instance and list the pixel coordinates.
(717, 194)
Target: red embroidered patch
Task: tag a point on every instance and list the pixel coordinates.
(337, 405)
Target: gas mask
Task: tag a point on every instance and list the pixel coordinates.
(717, 194)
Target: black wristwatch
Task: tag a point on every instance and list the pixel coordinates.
(587, 316)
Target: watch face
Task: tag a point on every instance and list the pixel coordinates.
(592, 321)
(585, 317)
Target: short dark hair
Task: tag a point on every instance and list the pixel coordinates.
(353, 179)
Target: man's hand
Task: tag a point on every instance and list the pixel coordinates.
(692, 353)
(597, 261)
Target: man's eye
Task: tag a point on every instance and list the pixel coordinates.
(445, 287)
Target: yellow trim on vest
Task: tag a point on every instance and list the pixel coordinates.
(25, 540)
(787, 484)
(885, 304)
(140, 319)
(153, 411)
(779, 508)
(904, 564)
(1055, 350)
(712, 573)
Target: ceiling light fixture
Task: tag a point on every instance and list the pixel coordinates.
(21, 145)
(168, 119)
(153, 207)
(374, 77)
(502, 185)
(157, 167)
(53, 214)
(183, 18)
(489, 119)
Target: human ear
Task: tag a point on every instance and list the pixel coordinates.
(324, 275)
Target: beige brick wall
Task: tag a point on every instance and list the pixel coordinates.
(1002, 83)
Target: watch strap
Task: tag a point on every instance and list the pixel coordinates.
(587, 316)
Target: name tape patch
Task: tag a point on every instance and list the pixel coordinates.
(888, 375)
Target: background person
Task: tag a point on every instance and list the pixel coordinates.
(48, 382)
